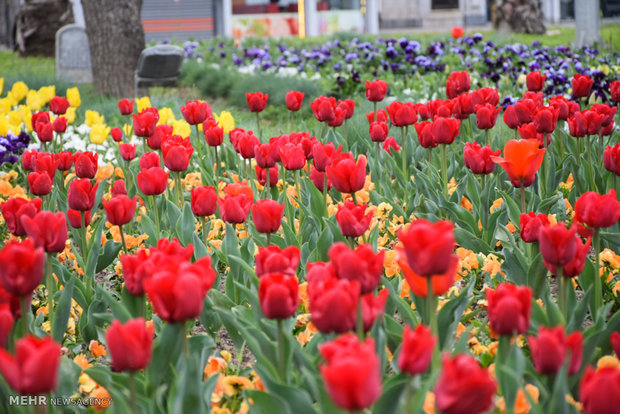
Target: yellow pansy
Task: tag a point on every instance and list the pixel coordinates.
(19, 91)
(143, 103)
(166, 116)
(93, 117)
(99, 133)
(182, 128)
(70, 114)
(74, 98)
(225, 121)
(34, 101)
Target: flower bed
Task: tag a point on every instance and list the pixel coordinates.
(371, 259)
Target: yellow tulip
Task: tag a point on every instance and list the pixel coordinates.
(14, 118)
(28, 121)
(5, 105)
(70, 114)
(93, 117)
(24, 113)
(33, 100)
(225, 121)
(127, 128)
(19, 90)
(74, 98)
(182, 128)
(46, 93)
(99, 133)
(143, 103)
(166, 116)
(4, 126)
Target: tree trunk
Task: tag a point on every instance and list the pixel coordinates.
(520, 16)
(36, 24)
(116, 38)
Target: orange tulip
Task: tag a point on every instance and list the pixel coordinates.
(522, 159)
(419, 284)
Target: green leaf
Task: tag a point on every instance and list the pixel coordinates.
(186, 225)
(94, 245)
(390, 399)
(514, 211)
(265, 403)
(110, 252)
(62, 312)
(166, 350)
(537, 275)
(450, 314)
(471, 242)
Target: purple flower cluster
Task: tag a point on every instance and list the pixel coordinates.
(12, 146)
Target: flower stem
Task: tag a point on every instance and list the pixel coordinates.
(205, 235)
(51, 287)
(23, 304)
(522, 199)
(598, 287)
(403, 154)
(486, 137)
(281, 351)
(157, 223)
(592, 183)
(563, 294)
(354, 198)
(84, 242)
(359, 321)
(444, 169)
(258, 125)
(132, 392)
(217, 165)
(123, 240)
(325, 185)
(268, 239)
(268, 183)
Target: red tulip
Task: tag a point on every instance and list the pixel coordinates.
(292, 157)
(347, 355)
(144, 123)
(373, 308)
(611, 158)
(323, 155)
(39, 183)
(376, 90)
(402, 114)
(120, 209)
(128, 151)
(560, 104)
(425, 135)
(458, 82)
(530, 225)
(439, 108)
(535, 81)
(549, 350)
(246, 144)
(81, 194)
(428, 246)
(272, 259)
(75, 219)
(214, 134)
(486, 116)
(578, 125)
(125, 106)
(153, 180)
(195, 112)
(161, 132)
(86, 164)
(177, 152)
(41, 116)
(203, 201)
(521, 161)
(545, 119)
(600, 390)
(352, 220)
(557, 244)
(577, 263)
(177, 290)
(45, 131)
(33, 370)
(262, 153)
(464, 386)
(59, 105)
(14, 209)
(509, 308)
(605, 111)
(339, 115)
(416, 350)
(257, 101)
(614, 339)
(390, 144)
(64, 160)
(582, 85)
(134, 272)
(278, 295)
(261, 176)
(318, 179)
(348, 105)
(614, 90)
(445, 130)
(457, 32)
(333, 304)
(324, 108)
(419, 283)
(525, 109)
(596, 210)
(234, 208)
(21, 267)
(380, 116)
(43, 161)
(47, 230)
(294, 99)
(478, 159)
(59, 125)
(510, 117)
(594, 121)
(149, 160)
(361, 264)
(346, 175)
(267, 215)
(28, 158)
(130, 344)
(119, 188)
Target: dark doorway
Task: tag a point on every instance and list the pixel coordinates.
(444, 4)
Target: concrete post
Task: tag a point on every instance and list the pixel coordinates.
(587, 22)
(312, 18)
(372, 16)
